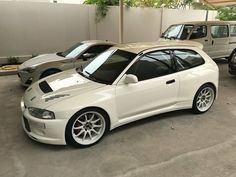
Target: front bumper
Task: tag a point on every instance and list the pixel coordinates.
(232, 68)
(44, 131)
(25, 78)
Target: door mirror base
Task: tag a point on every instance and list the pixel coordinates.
(87, 56)
(130, 79)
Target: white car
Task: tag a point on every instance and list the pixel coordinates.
(44, 65)
(124, 84)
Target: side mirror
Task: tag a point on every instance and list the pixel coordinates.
(87, 56)
(130, 79)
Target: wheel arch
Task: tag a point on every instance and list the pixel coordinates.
(49, 69)
(207, 83)
(84, 109)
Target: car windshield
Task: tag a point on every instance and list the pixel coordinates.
(74, 51)
(107, 66)
(177, 32)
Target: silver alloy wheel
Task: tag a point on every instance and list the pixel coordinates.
(205, 99)
(88, 128)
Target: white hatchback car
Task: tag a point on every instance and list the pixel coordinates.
(123, 84)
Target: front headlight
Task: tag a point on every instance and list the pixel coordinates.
(29, 70)
(41, 113)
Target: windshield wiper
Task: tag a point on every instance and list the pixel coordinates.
(95, 78)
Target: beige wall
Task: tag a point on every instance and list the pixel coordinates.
(33, 28)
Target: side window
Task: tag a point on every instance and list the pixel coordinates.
(152, 65)
(98, 49)
(219, 31)
(199, 32)
(186, 31)
(186, 59)
(233, 30)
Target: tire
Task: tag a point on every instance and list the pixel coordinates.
(204, 98)
(232, 56)
(49, 72)
(86, 128)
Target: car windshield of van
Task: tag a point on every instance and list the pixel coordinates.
(106, 67)
(74, 51)
(177, 32)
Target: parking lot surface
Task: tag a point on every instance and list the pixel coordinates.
(176, 144)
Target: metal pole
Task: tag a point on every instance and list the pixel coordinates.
(207, 15)
(121, 22)
(161, 20)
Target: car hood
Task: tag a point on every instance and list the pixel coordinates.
(58, 87)
(41, 59)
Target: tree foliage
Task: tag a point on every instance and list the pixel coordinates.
(227, 13)
(224, 13)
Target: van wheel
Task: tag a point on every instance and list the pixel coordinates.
(204, 99)
(233, 56)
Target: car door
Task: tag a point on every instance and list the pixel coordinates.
(219, 46)
(199, 34)
(157, 86)
(89, 54)
(188, 65)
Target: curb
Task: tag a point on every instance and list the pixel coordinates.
(6, 73)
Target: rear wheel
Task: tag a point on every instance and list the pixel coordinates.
(204, 98)
(86, 128)
(49, 72)
(233, 56)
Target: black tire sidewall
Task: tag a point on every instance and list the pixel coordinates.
(68, 132)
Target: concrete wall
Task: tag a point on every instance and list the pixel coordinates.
(33, 28)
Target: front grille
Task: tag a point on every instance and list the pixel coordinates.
(27, 126)
(45, 87)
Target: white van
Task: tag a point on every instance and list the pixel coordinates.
(218, 37)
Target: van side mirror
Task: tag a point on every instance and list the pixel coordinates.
(130, 79)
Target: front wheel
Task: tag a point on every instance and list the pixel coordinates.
(86, 128)
(204, 99)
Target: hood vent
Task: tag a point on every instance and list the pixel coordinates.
(45, 87)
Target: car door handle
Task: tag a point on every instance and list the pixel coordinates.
(212, 42)
(170, 81)
(206, 40)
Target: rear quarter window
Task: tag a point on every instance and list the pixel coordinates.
(186, 59)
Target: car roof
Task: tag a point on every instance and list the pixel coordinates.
(92, 42)
(142, 46)
(208, 22)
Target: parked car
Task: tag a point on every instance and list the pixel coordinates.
(218, 38)
(124, 84)
(48, 64)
